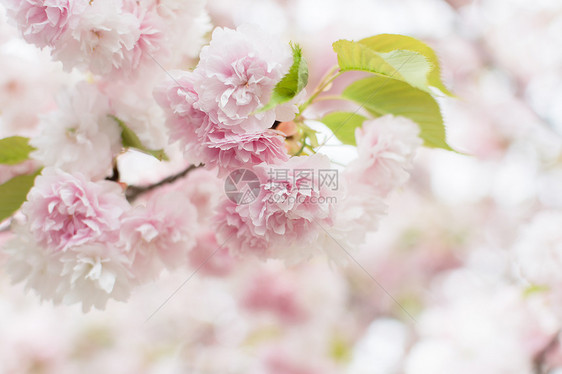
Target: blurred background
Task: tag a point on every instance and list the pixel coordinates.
(462, 274)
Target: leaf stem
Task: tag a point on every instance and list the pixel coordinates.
(299, 152)
(330, 76)
(330, 97)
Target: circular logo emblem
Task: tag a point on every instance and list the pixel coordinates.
(242, 186)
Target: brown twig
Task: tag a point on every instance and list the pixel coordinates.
(115, 176)
(540, 357)
(133, 192)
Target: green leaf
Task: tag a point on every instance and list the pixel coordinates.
(292, 83)
(406, 66)
(412, 66)
(390, 42)
(381, 95)
(343, 125)
(355, 56)
(14, 192)
(131, 140)
(14, 150)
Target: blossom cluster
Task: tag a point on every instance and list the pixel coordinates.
(107, 37)
(84, 237)
(462, 276)
(214, 111)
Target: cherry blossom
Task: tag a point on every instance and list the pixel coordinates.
(236, 75)
(287, 217)
(159, 235)
(43, 22)
(102, 40)
(386, 147)
(65, 210)
(78, 129)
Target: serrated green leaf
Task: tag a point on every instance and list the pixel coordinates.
(390, 42)
(131, 140)
(14, 150)
(292, 83)
(403, 65)
(343, 125)
(381, 95)
(14, 192)
(355, 56)
(411, 65)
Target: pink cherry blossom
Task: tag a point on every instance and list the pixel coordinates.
(160, 234)
(297, 196)
(229, 151)
(66, 210)
(101, 41)
(289, 212)
(132, 101)
(176, 97)
(236, 75)
(205, 141)
(89, 273)
(94, 273)
(538, 250)
(210, 256)
(236, 232)
(188, 25)
(358, 212)
(79, 129)
(459, 333)
(43, 22)
(275, 293)
(30, 263)
(287, 360)
(150, 41)
(204, 190)
(386, 147)
(67, 248)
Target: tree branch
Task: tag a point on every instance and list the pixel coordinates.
(540, 357)
(115, 176)
(133, 192)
